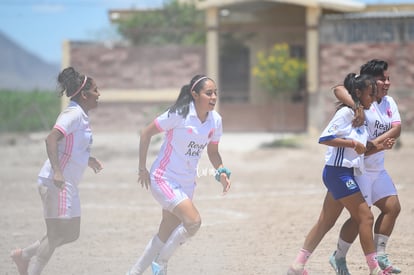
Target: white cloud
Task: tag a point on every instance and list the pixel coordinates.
(48, 8)
(127, 4)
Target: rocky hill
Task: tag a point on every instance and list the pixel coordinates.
(22, 70)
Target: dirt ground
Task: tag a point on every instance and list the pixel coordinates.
(257, 228)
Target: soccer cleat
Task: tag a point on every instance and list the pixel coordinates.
(158, 269)
(378, 271)
(339, 265)
(297, 271)
(385, 263)
(21, 263)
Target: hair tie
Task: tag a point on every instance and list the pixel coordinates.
(198, 80)
(80, 88)
(356, 76)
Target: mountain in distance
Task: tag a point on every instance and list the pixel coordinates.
(23, 71)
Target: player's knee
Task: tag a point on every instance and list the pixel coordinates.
(193, 226)
(366, 219)
(72, 237)
(390, 206)
(396, 208)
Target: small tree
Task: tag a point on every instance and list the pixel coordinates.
(174, 23)
(277, 71)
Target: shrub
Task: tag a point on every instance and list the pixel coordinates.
(28, 111)
(277, 71)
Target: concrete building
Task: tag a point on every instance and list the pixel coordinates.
(317, 30)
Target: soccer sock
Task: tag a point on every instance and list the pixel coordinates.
(39, 261)
(372, 261)
(177, 238)
(30, 251)
(151, 251)
(380, 242)
(301, 258)
(342, 249)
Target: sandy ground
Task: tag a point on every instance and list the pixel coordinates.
(257, 228)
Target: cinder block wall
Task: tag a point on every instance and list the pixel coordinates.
(338, 59)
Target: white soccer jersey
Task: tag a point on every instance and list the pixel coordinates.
(341, 127)
(185, 140)
(74, 148)
(379, 119)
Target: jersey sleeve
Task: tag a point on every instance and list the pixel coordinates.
(393, 112)
(68, 121)
(218, 130)
(167, 121)
(338, 126)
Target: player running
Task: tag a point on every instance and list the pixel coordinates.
(68, 149)
(190, 125)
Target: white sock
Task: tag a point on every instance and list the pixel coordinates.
(30, 251)
(150, 252)
(177, 238)
(35, 266)
(342, 249)
(43, 255)
(380, 243)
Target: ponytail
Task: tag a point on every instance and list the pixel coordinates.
(354, 82)
(182, 104)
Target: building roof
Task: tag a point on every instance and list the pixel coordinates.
(371, 15)
(337, 5)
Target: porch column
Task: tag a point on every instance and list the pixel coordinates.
(212, 45)
(312, 59)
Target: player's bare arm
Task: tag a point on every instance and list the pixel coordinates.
(52, 152)
(340, 142)
(377, 144)
(95, 164)
(144, 142)
(216, 161)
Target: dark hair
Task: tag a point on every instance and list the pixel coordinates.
(374, 67)
(70, 81)
(353, 82)
(182, 104)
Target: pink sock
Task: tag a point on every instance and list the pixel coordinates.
(302, 257)
(372, 261)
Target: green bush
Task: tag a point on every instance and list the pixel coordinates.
(28, 111)
(277, 71)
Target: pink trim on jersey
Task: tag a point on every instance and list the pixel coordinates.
(62, 203)
(60, 129)
(67, 153)
(214, 142)
(396, 123)
(157, 124)
(159, 172)
(63, 162)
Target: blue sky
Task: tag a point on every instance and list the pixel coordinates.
(40, 26)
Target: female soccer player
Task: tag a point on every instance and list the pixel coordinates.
(68, 148)
(190, 125)
(345, 154)
(383, 121)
